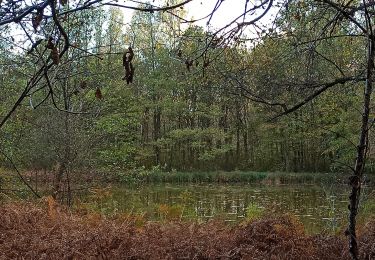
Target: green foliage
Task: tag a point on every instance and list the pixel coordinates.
(254, 211)
(191, 119)
(134, 176)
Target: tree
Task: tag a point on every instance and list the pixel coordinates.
(329, 21)
(47, 37)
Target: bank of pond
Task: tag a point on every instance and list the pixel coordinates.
(156, 175)
(318, 200)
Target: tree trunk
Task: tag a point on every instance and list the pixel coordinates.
(59, 175)
(157, 115)
(65, 156)
(356, 178)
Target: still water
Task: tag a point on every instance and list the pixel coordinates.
(319, 207)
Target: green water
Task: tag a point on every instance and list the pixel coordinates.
(319, 207)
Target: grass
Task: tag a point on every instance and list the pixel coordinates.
(276, 178)
(209, 177)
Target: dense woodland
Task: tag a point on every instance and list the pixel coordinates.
(214, 114)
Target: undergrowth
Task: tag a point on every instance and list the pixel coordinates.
(46, 231)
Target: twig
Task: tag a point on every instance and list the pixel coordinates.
(19, 174)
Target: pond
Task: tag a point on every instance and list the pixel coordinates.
(319, 207)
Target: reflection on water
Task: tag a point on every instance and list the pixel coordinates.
(319, 208)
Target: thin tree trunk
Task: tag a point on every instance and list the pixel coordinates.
(36, 181)
(157, 115)
(59, 175)
(65, 160)
(69, 191)
(356, 179)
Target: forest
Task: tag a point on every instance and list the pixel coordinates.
(140, 130)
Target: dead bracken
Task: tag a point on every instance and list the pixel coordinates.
(45, 231)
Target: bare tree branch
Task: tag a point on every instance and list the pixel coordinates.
(323, 88)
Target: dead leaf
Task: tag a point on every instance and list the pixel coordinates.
(98, 94)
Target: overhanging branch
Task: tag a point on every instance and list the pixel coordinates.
(323, 88)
